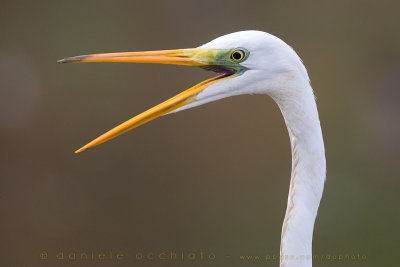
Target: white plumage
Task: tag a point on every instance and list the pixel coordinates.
(251, 62)
(276, 70)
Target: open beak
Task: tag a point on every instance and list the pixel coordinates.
(191, 57)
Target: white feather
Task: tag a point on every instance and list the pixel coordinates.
(276, 70)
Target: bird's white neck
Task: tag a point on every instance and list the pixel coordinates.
(308, 174)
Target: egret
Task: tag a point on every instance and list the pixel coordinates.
(251, 62)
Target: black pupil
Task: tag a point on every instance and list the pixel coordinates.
(237, 55)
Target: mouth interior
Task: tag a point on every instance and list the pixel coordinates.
(224, 72)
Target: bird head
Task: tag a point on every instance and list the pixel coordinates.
(247, 62)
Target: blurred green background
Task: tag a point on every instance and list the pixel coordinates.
(213, 179)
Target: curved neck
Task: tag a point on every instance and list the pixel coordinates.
(308, 175)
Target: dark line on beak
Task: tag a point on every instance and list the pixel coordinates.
(76, 59)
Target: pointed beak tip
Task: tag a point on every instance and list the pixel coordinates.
(72, 59)
(79, 151)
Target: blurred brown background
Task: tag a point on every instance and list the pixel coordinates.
(213, 179)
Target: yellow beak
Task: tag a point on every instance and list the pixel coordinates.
(191, 57)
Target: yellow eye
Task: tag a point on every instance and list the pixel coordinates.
(238, 55)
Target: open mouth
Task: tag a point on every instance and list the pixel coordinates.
(220, 70)
(189, 57)
(223, 73)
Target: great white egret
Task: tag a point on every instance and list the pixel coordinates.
(251, 62)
